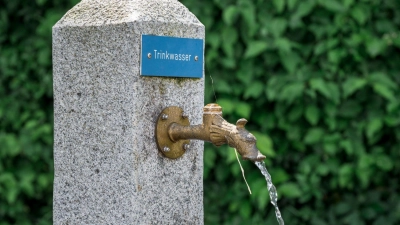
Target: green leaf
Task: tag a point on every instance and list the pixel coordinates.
(335, 55)
(365, 161)
(313, 135)
(31, 124)
(263, 198)
(290, 61)
(291, 91)
(227, 105)
(230, 14)
(323, 169)
(304, 8)
(245, 209)
(277, 26)
(352, 84)
(291, 4)
(43, 180)
(41, 2)
(10, 145)
(343, 208)
(222, 87)
(359, 14)
(354, 41)
(345, 174)
(334, 92)
(255, 90)
(348, 3)
(392, 121)
(328, 89)
(295, 113)
(384, 91)
(332, 5)
(283, 45)
(364, 176)
(229, 63)
(279, 175)
(231, 157)
(213, 39)
(264, 144)
(279, 5)
(347, 145)
(249, 17)
(330, 148)
(312, 114)
(229, 37)
(10, 188)
(289, 190)
(375, 47)
(373, 127)
(258, 186)
(209, 160)
(243, 109)
(255, 48)
(321, 86)
(350, 109)
(382, 78)
(384, 162)
(294, 133)
(27, 183)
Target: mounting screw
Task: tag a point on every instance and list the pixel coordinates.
(186, 146)
(149, 55)
(196, 58)
(166, 149)
(164, 116)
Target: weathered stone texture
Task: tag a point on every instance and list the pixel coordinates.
(107, 166)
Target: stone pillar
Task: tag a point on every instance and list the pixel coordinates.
(107, 166)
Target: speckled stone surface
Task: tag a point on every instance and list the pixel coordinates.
(107, 166)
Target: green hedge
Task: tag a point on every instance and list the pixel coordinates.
(26, 110)
(318, 80)
(320, 83)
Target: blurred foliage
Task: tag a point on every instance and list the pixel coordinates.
(26, 110)
(318, 81)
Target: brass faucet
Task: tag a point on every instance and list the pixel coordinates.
(173, 132)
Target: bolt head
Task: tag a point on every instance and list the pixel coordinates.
(186, 146)
(166, 149)
(164, 116)
(196, 58)
(149, 55)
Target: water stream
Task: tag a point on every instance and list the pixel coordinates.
(272, 191)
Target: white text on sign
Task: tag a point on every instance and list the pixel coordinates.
(171, 56)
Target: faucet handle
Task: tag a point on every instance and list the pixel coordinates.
(241, 123)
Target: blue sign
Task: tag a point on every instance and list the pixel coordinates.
(171, 57)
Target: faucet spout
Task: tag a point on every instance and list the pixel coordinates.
(214, 129)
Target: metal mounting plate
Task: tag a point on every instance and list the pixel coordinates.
(165, 145)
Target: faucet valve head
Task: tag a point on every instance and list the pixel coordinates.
(212, 108)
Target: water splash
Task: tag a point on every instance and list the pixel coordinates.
(273, 194)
